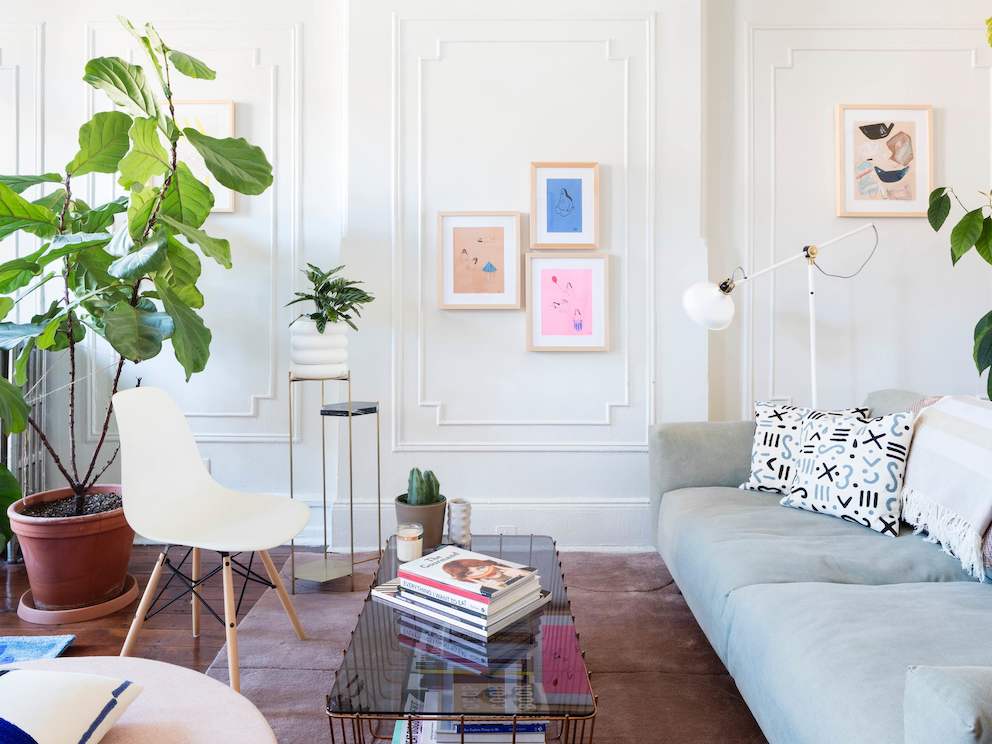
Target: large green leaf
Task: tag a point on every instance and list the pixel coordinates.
(102, 217)
(53, 201)
(6, 305)
(21, 364)
(148, 258)
(91, 266)
(984, 243)
(46, 338)
(215, 248)
(940, 207)
(102, 144)
(188, 199)
(182, 272)
(135, 334)
(983, 343)
(965, 233)
(18, 273)
(12, 334)
(22, 183)
(13, 408)
(17, 213)
(147, 156)
(234, 162)
(190, 337)
(120, 244)
(69, 243)
(10, 491)
(140, 209)
(125, 84)
(190, 66)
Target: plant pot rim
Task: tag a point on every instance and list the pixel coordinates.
(401, 499)
(340, 324)
(54, 494)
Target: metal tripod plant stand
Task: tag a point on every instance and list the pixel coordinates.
(329, 567)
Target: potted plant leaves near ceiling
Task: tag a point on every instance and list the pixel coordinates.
(318, 343)
(125, 270)
(424, 504)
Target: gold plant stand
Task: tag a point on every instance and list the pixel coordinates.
(330, 566)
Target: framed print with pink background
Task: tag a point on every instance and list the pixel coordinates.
(884, 160)
(568, 302)
(478, 257)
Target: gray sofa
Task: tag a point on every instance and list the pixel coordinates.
(819, 621)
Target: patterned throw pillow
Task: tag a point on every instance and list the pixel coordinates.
(853, 468)
(777, 437)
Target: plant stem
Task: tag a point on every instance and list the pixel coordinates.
(104, 468)
(55, 457)
(173, 157)
(65, 204)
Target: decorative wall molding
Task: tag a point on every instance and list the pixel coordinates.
(295, 180)
(397, 241)
(751, 87)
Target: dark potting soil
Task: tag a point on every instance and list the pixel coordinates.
(93, 503)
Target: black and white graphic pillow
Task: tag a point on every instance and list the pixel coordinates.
(853, 468)
(777, 437)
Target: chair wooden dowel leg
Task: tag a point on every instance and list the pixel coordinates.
(143, 605)
(231, 625)
(194, 597)
(287, 605)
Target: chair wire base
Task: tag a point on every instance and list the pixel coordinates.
(190, 585)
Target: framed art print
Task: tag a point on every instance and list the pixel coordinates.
(478, 260)
(884, 160)
(564, 205)
(216, 119)
(568, 302)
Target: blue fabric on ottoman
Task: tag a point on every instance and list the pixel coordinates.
(952, 705)
(715, 540)
(826, 663)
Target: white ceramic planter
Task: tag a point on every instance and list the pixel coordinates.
(316, 355)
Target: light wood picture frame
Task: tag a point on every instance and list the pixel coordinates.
(568, 301)
(213, 117)
(564, 205)
(479, 260)
(884, 159)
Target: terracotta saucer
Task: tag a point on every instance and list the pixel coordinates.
(29, 613)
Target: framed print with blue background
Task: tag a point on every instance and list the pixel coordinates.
(884, 160)
(564, 205)
(478, 258)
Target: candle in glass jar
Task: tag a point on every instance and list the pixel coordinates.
(409, 541)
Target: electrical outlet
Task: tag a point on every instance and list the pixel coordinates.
(506, 529)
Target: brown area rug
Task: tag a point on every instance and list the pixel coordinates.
(655, 674)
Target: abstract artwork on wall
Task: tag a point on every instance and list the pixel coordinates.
(567, 302)
(478, 260)
(216, 119)
(564, 205)
(884, 160)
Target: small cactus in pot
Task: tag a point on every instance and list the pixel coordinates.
(424, 504)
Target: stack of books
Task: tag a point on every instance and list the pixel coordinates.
(475, 730)
(474, 593)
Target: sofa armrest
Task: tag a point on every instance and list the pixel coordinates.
(951, 705)
(700, 454)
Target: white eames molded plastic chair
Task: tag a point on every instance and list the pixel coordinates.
(169, 497)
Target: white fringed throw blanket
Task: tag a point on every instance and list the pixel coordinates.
(947, 492)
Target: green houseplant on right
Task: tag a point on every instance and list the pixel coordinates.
(423, 503)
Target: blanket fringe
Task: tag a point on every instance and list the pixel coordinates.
(955, 535)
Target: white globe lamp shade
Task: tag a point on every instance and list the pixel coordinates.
(708, 306)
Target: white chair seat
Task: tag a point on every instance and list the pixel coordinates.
(231, 521)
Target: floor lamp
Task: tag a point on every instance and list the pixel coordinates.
(711, 306)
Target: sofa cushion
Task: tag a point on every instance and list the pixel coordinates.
(826, 663)
(952, 705)
(715, 540)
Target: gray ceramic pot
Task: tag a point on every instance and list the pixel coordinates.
(431, 516)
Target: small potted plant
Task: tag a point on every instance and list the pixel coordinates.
(423, 503)
(319, 346)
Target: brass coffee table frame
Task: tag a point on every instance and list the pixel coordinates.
(369, 728)
(331, 567)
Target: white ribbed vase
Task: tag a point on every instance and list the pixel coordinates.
(460, 522)
(316, 355)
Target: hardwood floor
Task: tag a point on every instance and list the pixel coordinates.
(165, 637)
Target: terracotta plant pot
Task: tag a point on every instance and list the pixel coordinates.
(73, 562)
(431, 516)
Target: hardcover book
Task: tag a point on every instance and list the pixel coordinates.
(467, 574)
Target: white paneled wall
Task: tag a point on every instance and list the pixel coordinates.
(378, 114)
(907, 320)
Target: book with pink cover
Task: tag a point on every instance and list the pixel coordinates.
(467, 574)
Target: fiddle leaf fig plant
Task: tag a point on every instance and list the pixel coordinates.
(125, 270)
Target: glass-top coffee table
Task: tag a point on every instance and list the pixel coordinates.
(403, 668)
